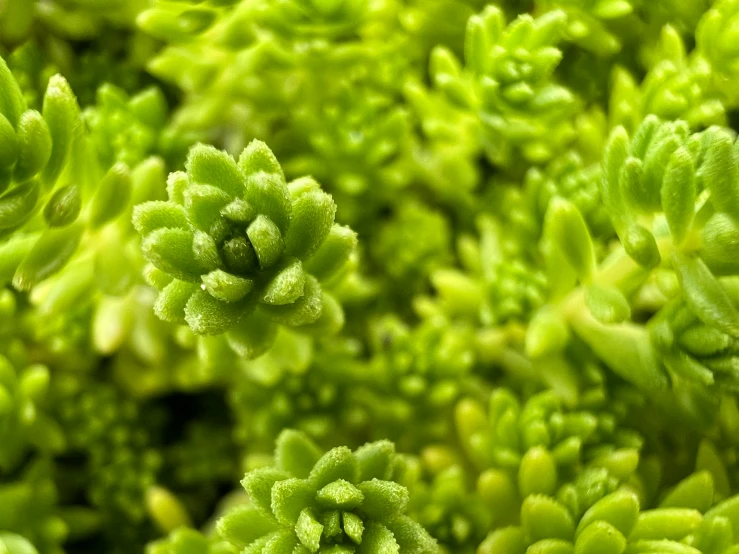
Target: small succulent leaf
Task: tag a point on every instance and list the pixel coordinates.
(290, 497)
(537, 473)
(63, 207)
(543, 517)
(52, 251)
(286, 286)
(353, 526)
(226, 287)
(378, 539)
(333, 254)
(171, 302)
(312, 218)
(720, 174)
(207, 165)
(296, 453)
(244, 524)
(376, 460)
(337, 463)
(305, 310)
(620, 509)
(252, 336)
(258, 484)
(17, 205)
(62, 115)
(600, 536)
(331, 320)
(410, 535)
(9, 147)
(570, 233)
(12, 103)
(268, 194)
(705, 295)
(156, 214)
(309, 530)
(678, 194)
(383, 499)
(203, 204)
(171, 250)
(112, 195)
(695, 491)
(607, 304)
(339, 495)
(34, 146)
(266, 240)
(257, 157)
(666, 523)
(209, 316)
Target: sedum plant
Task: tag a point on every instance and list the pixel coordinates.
(236, 249)
(338, 501)
(520, 267)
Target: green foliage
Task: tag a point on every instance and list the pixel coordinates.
(520, 269)
(235, 240)
(311, 501)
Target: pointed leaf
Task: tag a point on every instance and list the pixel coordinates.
(34, 145)
(207, 165)
(266, 240)
(208, 316)
(286, 286)
(290, 497)
(52, 251)
(258, 484)
(705, 295)
(252, 336)
(312, 218)
(296, 453)
(383, 499)
(243, 525)
(678, 194)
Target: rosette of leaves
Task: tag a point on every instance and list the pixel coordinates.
(25, 423)
(543, 427)
(687, 520)
(507, 81)
(338, 501)
(499, 281)
(677, 86)
(56, 193)
(670, 196)
(126, 129)
(241, 251)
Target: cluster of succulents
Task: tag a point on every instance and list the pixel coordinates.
(369, 277)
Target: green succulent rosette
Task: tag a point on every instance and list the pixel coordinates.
(237, 249)
(338, 502)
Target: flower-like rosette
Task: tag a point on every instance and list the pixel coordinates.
(236, 248)
(340, 501)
